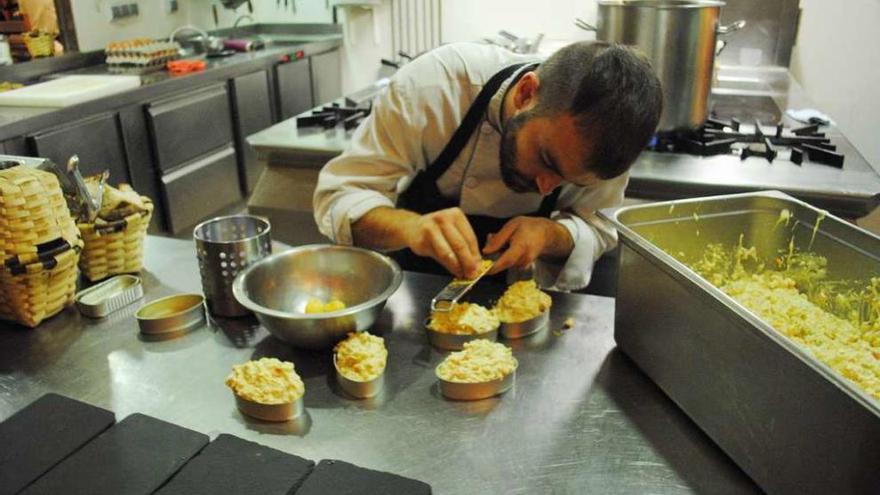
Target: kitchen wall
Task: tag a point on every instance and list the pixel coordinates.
(467, 20)
(94, 30)
(837, 62)
(265, 11)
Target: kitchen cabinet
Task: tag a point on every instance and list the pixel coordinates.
(252, 112)
(326, 76)
(293, 83)
(195, 158)
(189, 125)
(138, 150)
(96, 140)
(16, 146)
(200, 188)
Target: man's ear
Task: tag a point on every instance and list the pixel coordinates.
(525, 94)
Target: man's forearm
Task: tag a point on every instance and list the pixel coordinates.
(559, 244)
(383, 228)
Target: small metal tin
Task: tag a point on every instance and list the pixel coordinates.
(110, 295)
(455, 341)
(270, 412)
(475, 391)
(175, 313)
(358, 389)
(525, 328)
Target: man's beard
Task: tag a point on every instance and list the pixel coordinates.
(507, 156)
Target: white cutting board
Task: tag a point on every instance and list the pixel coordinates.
(68, 90)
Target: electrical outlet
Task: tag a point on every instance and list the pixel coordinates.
(123, 10)
(171, 6)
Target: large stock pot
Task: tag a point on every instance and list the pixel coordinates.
(679, 36)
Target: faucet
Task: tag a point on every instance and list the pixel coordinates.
(240, 18)
(188, 27)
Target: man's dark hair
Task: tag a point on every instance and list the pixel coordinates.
(614, 95)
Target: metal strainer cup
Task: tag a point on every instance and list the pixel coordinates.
(226, 246)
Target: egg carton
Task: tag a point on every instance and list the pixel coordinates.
(135, 61)
(141, 53)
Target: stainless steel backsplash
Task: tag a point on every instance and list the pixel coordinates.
(769, 35)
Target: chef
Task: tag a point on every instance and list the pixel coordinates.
(473, 151)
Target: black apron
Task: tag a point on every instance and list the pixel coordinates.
(423, 196)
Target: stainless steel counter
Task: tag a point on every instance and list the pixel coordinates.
(580, 419)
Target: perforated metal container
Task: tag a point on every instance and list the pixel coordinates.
(789, 421)
(225, 247)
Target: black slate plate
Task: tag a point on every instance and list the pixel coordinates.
(135, 457)
(341, 478)
(230, 465)
(42, 434)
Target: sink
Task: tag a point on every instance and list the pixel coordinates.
(745, 108)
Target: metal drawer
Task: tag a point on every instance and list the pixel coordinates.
(188, 126)
(96, 140)
(201, 188)
(293, 83)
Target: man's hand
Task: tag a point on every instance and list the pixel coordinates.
(447, 237)
(527, 239)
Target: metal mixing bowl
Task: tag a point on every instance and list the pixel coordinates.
(278, 287)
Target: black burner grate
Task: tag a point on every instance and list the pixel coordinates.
(718, 137)
(328, 117)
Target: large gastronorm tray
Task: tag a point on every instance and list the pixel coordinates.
(789, 421)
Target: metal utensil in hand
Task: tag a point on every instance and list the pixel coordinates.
(449, 295)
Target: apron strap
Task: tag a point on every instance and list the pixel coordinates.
(469, 123)
(548, 204)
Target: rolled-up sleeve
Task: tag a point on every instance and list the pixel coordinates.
(592, 235)
(383, 156)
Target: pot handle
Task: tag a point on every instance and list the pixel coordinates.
(732, 27)
(584, 25)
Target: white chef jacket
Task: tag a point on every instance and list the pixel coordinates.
(410, 123)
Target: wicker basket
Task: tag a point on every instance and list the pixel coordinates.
(39, 43)
(115, 247)
(39, 246)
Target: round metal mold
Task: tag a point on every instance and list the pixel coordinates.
(525, 328)
(359, 389)
(176, 313)
(455, 341)
(270, 412)
(475, 391)
(225, 246)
